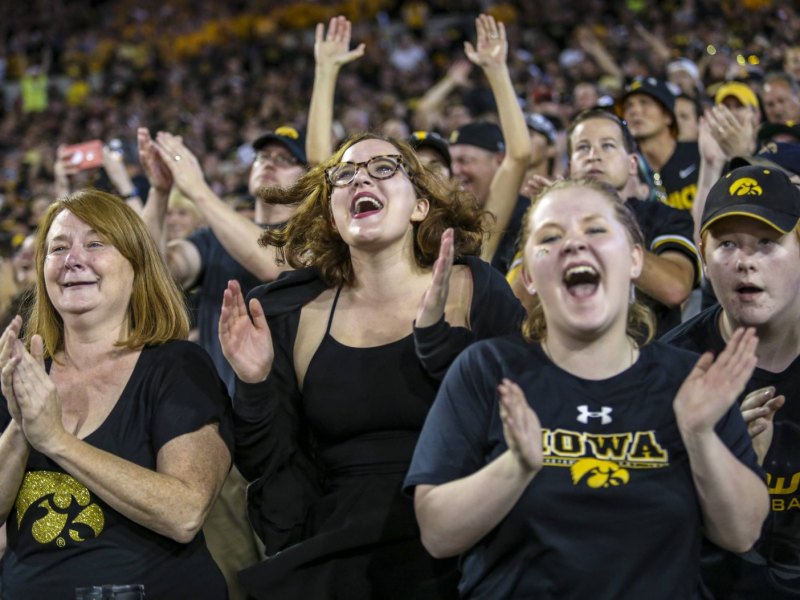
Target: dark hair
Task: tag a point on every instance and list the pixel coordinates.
(641, 322)
(310, 238)
(600, 113)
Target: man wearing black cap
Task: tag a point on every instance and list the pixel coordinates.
(433, 152)
(228, 248)
(648, 106)
(751, 253)
(543, 137)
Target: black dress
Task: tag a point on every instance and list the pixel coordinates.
(328, 502)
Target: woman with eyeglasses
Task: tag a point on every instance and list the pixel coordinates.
(331, 394)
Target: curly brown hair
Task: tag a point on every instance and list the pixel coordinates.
(641, 322)
(310, 239)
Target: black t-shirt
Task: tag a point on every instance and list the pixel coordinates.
(772, 569)
(678, 176)
(217, 268)
(666, 229)
(614, 512)
(61, 535)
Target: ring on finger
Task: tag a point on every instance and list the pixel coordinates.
(177, 157)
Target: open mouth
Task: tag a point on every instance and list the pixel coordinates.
(747, 290)
(365, 205)
(581, 281)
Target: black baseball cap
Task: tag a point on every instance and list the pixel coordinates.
(769, 130)
(292, 139)
(776, 155)
(432, 140)
(757, 192)
(655, 88)
(543, 125)
(481, 134)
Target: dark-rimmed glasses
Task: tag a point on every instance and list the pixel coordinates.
(383, 166)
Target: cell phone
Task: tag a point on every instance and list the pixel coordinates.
(86, 155)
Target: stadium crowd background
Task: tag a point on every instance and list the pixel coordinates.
(220, 74)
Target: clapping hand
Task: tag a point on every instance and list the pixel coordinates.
(713, 385)
(246, 344)
(181, 162)
(758, 410)
(521, 427)
(156, 170)
(431, 307)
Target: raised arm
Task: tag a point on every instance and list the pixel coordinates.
(429, 108)
(712, 163)
(237, 234)
(114, 166)
(490, 54)
(733, 499)
(331, 52)
(172, 500)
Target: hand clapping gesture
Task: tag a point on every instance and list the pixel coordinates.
(333, 49)
(246, 344)
(182, 164)
(431, 307)
(491, 47)
(156, 170)
(758, 410)
(713, 385)
(521, 427)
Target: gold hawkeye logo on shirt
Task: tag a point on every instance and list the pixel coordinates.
(65, 506)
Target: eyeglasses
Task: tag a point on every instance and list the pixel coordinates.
(378, 167)
(279, 159)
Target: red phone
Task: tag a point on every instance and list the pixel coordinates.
(86, 155)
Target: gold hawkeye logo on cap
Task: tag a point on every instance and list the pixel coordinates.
(289, 132)
(745, 186)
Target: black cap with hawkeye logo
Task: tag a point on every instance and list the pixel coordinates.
(757, 192)
(289, 137)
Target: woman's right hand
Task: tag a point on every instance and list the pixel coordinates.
(9, 357)
(491, 48)
(333, 48)
(521, 427)
(246, 344)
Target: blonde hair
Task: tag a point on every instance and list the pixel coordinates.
(156, 312)
(641, 324)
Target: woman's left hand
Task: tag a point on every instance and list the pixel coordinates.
(37, 399)
(431, 307)
(713, 385)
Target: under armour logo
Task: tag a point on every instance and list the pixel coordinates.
(585, 414)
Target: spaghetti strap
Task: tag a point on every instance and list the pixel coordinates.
(333, 308)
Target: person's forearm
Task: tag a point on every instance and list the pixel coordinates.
(161, 502)
(733, 499)
(455, 516)
(319, 143)
(507, 182)
(430, 105)
(153, 215)
(708, 174)
(14, 452)
(239, 236)
(668, 280)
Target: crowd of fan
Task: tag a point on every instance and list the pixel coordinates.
(222, 74)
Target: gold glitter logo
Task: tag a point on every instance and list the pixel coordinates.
(65, 507)
(599, 473)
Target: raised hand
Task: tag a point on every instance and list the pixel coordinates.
(37, 398)
(184, 166)
(534, 186)
(758, 409)
(707, 144)
(431, 307)
(736, 137)
(521, 427)
(246, 344)
(333, 48)
(459, 72)
(155, 169)
(713, 385)
(491, 48)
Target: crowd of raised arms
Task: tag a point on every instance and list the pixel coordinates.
(389, 300)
